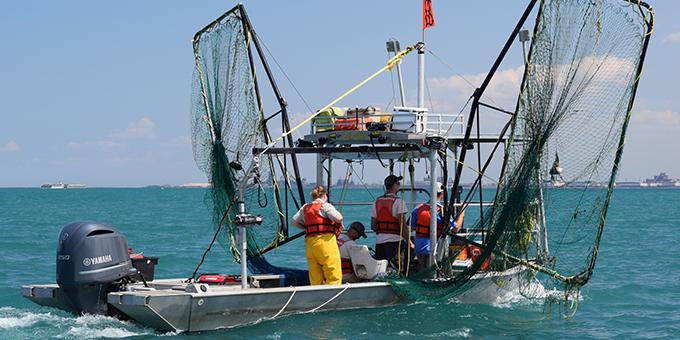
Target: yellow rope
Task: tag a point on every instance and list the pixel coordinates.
(390, 63)
(648, 18)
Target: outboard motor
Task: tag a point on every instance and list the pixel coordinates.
(92, 260)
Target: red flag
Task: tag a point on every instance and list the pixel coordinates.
(428, 14)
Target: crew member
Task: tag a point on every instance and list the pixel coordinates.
(388, 220)
(322, 223)
(420, 220)
(345, 241)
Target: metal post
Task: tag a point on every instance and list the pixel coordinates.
(319, 169)
(244, 246)
(433, 207)
(330, 177)
(421, 74)
(402, 96)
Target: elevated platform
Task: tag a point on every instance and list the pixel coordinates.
(357, 145)
(355, 137)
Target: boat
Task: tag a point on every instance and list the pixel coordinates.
(255, 182)
(59, 185)
(661, 181)
(62, 185)
(75, 186)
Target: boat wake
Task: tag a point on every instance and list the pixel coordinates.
(12, 318)
(20, 323)
(453, 333)
(527, 294)
(532, 293)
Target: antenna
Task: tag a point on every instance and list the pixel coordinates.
(393, 47)
(523, 38)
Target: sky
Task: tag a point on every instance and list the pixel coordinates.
(99, 92)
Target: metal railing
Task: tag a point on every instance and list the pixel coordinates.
(430, 123)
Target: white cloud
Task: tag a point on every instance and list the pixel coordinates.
(178, 141)
(672, 38)
(109, 144)
(11, 146)
(100, 144)
(450, 93)
(142, 128)
(666, 118)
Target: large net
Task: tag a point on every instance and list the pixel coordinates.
(564, 149)
(227, 123)
(572, 119)
(561, 159)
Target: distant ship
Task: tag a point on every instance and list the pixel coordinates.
(59, 185)
(661, 180)
(75, 186)
(62, 185)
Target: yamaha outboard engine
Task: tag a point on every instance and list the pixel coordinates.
(92, 259)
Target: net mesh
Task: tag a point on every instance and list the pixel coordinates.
(565, 148)
(227, 124)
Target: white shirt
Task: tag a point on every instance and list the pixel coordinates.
(344, 251)
(398, 208)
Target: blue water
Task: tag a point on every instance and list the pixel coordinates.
(635, 292)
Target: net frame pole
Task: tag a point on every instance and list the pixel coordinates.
(479, 170)
(282, 102)
(250, 37)
(519, 97)
(475, 106)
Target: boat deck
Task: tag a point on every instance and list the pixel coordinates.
(177, 306)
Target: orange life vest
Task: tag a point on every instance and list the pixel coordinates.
(315, 224)
(423, 221)
(475, 253)
(346, 263)
(385, 222)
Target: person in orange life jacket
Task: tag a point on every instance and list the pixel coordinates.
(420, 221)
(322, 223)
(388, 220)
(355, 230)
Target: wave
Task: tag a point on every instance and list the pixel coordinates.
(24, 319)
(55, 324)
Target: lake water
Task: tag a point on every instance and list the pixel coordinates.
(635, 292)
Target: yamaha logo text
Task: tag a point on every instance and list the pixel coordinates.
(96, 260)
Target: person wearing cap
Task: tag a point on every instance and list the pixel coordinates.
(345, 241)
(420, 221)
(388, 220)
(322, 224)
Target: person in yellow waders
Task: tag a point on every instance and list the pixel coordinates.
(322, 223)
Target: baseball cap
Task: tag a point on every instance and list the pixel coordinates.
(440, 187)
(391, 179)
(359, 227)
